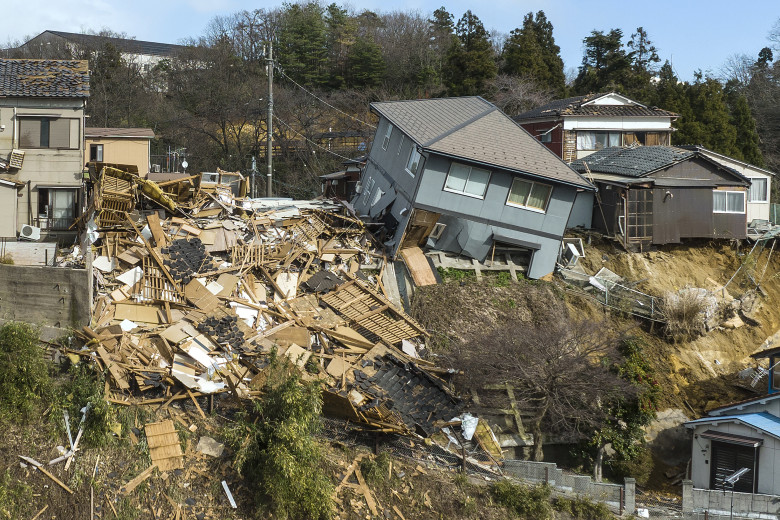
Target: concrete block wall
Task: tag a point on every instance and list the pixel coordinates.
(47, 296)
(717, 502)
(578, 484)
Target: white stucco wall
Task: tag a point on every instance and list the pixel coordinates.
(701, 453)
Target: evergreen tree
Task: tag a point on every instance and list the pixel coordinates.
(366, 65)
(441, 35)
(605, 64)
(747, 140)
(341, 30)
(706, 121)
(643, 58)
(302, 50)
(470, 60)
(531, 51)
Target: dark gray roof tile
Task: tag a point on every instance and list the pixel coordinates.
(44, 78)
(471, 129)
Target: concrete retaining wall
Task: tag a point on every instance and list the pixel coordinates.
(48, 296)
(719, 503)
(583, 485)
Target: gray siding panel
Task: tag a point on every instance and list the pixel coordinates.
(698, 172)
(687, 213)
(582, 211)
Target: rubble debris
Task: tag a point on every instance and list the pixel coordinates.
(193, 298)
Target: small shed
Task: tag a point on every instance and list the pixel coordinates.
(663, 194)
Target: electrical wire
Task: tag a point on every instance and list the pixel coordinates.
(309, 140)
(278, 69)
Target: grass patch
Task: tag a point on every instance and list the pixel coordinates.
(15, 496)
(25, 382)
(532, 503)
(376, 470)
(582, 508)
(85, 388)
(449, 274)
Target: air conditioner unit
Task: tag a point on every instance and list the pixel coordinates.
(359, 188)
(30, 233)
(155, 168)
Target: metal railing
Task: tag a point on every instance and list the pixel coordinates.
(53, 224)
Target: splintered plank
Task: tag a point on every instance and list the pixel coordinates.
(145, 474)
(164, 446)
(119, 375)
(418, 266)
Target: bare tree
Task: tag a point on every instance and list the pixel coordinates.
(514, 94)
(558, 367)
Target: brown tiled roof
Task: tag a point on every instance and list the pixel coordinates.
(471, 129)
(44, 78)
(576, 106)
(119, 132)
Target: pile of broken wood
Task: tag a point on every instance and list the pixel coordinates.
(194, 305)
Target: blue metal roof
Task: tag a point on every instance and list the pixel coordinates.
(764, 421)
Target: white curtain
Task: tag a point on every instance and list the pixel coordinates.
(586, 141)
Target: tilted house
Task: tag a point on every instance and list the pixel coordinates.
(41, 144)
(741, 435)
(662, 194)
(458, 175)
(576, 127)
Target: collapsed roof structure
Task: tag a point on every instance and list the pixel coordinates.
(195, 300)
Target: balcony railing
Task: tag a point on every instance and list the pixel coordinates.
(54, 224)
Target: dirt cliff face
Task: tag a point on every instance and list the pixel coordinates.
(696, 375)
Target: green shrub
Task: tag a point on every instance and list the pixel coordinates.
(532, 503)
(376, 470)
(24, 373)
(86, 386)
(14, 496)
(582, 508)
(450, 274)
(279, 456)
(640, 466)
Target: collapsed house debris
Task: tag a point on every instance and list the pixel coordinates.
(195, 299)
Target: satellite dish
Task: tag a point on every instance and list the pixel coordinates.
(184, 164)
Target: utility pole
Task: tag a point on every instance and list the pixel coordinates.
(270, 120)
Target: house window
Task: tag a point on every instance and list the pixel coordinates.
(413, 164)
(388, 133)
(467, 180)
(728, 201)
(598, 140)
(400, 144)
(56, 207)
(758, 190)
(529, 194)
(96, 152)
(367, 190)
(48, 132)
(546, 137)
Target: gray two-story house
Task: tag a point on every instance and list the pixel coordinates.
(458, 175)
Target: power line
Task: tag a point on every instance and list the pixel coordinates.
(309, 140)
(322, 100)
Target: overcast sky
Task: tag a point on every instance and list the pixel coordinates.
(692, 34)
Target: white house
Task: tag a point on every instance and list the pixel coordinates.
(741, 435)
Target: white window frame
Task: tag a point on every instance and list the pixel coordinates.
(597, 133)
(726, 192)
(750, 199)
(367, 189)
(409, 162)
(388, 134)
(532, 183)
(400, 144)
(437, 231)
(73, 132)
(464, 192)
